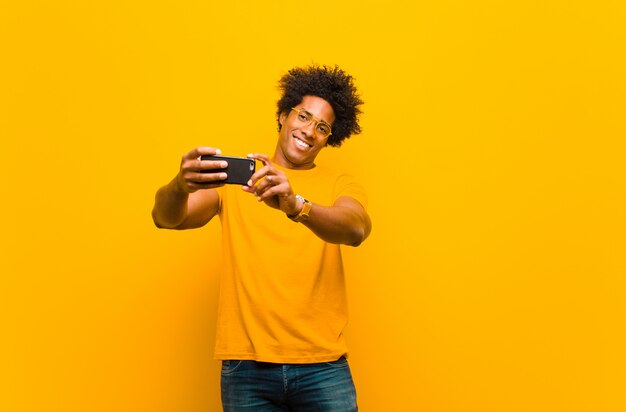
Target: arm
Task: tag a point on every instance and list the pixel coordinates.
(345, 222)
(189, 200)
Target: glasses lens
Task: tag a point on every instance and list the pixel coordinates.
(304, 116)
(323, 129)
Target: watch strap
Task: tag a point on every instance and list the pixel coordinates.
(304, 212)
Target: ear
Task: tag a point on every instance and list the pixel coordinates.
(282, 118)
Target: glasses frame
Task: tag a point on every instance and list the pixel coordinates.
(314, 119)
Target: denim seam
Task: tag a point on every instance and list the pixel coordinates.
(285, 379)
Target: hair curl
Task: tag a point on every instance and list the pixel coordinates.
(331, 84)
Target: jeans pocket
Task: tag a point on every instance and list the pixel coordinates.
(229, 366)
(339, 363)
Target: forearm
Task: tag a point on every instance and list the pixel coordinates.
(170, 206)
(344, 222)
(339, 224)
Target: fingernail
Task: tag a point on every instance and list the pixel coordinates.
(250, 182)
(249, 155)
(218, 151)
(224, 165)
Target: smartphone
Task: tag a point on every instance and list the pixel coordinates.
(239, 170)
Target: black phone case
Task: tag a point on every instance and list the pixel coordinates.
(239, 170)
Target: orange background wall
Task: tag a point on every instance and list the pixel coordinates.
(493, 152)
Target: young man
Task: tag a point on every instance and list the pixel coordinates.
(282, 306)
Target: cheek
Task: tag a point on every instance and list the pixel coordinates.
(318, 147)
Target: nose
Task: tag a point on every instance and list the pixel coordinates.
(309, 129)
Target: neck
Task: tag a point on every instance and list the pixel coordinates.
(280, 159)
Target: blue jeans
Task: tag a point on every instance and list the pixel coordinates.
(259, 386)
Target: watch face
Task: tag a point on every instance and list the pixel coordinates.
(304, 212)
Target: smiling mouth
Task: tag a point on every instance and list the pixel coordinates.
(302, 144)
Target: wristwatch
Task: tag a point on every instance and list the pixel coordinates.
(304, 212)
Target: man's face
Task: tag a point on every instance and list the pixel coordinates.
(298, 143)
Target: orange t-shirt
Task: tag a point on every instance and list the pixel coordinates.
(282, 290)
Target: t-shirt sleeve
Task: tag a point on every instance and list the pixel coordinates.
(346, 185)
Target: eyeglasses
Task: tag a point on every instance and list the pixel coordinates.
(322, 128)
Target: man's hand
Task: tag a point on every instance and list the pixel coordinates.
(181, 204)
(271, 186)
(190, 177)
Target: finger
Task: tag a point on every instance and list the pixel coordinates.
(210, 164)
(269, 192)
(195, 177)
(278, 184)
(202, 150)
(264, 184)
(258, 175)
(265, 159)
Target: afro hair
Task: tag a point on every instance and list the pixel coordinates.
(331, 84)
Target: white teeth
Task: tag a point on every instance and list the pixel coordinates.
(302, 143)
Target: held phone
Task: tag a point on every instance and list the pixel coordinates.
(239, 170)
